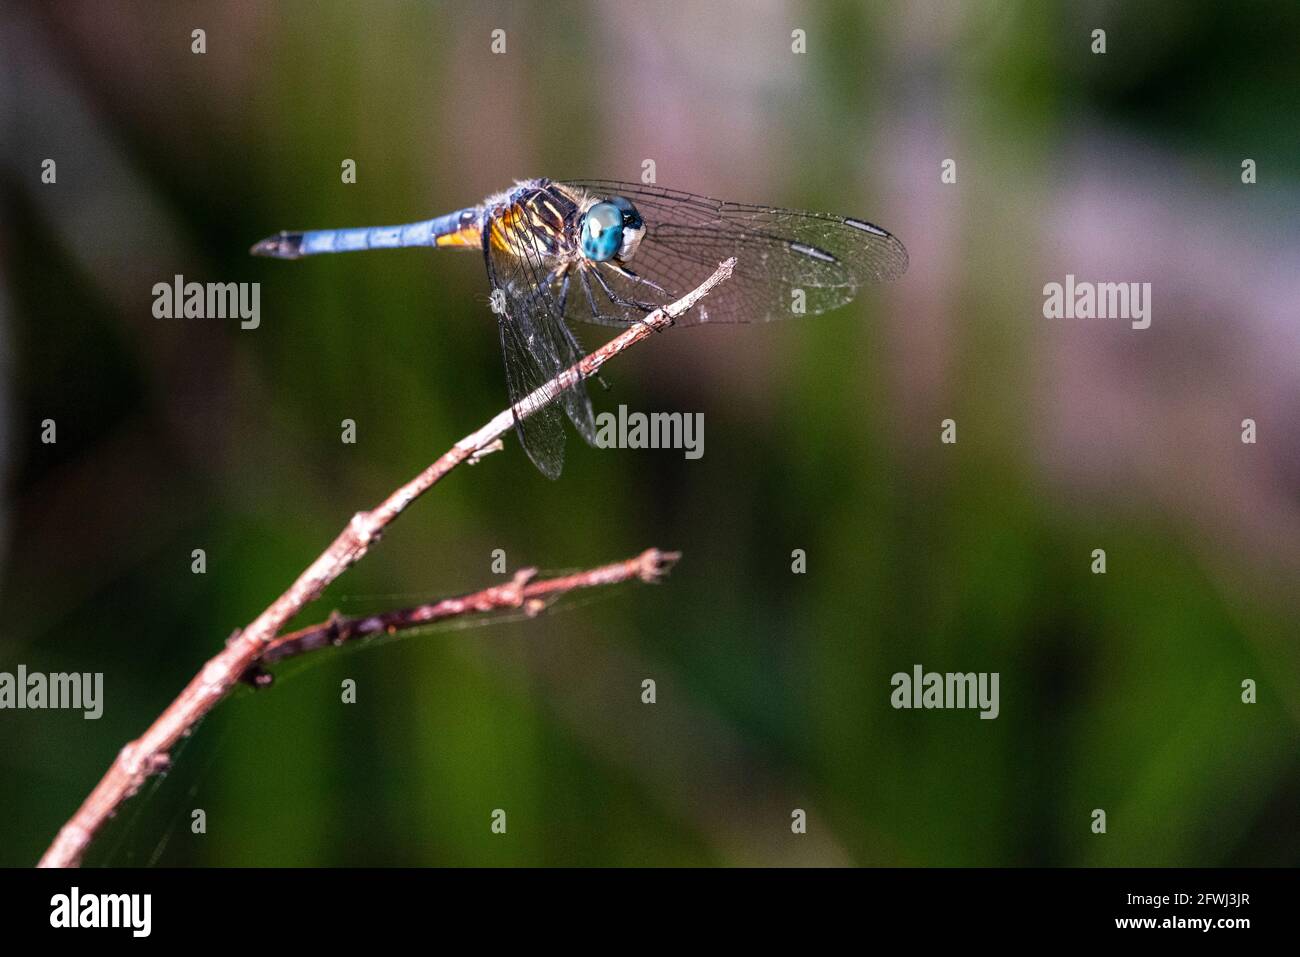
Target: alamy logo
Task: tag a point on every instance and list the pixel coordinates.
(77, 691)
(75, 909)
(931, 689)
(658, 430)
(212, 300)
(1098, 300)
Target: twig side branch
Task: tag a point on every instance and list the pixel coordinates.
(148, 754)
(524, 592)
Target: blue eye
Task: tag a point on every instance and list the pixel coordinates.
(610, 229)
(602, 232)
(631, 217)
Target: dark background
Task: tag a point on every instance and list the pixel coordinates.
(1118, 691)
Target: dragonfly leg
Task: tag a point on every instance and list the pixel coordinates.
(621, 300)
(568, 333)
(563, 276)
(640, 280)
(564, 291)
(597, 315)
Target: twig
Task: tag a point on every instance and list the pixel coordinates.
(524, 592)
(148, 754)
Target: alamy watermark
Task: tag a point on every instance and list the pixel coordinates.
(950, 690)
(1098, 300)
(179, 299)
(654, 430)
(77, 691)
(133, 912)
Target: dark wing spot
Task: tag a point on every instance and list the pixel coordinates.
(865, 227)
(814, 252)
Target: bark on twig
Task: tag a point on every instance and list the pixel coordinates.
(525, 592)
(148, 754)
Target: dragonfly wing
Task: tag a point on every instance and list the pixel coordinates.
(788, 262)
(536, 346)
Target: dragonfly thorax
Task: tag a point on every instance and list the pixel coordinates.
(611, 229)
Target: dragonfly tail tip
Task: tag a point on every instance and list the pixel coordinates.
(280, 246)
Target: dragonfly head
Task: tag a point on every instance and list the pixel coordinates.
(611, 229)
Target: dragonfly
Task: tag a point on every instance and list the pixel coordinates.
(609, 253)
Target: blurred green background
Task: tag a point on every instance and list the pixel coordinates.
(1118, 691)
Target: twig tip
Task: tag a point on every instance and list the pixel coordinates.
(656, 564)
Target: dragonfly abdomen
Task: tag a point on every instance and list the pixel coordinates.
(459, 229)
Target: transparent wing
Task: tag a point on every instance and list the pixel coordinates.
(536, 346)
(780, 253)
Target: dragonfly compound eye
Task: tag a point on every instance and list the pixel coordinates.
(611, 229)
